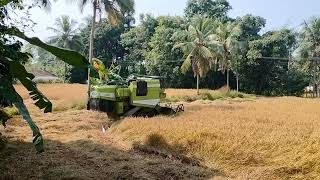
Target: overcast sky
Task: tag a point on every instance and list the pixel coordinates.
(278, 13)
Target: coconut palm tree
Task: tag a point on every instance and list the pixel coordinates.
(310, 49)
(65, 36)
(225, 40)
(198, 49)
(114, 9)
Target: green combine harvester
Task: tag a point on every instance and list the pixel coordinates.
(135, 96)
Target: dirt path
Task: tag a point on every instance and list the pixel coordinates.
(76, 148)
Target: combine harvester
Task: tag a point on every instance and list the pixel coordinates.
(135, 96)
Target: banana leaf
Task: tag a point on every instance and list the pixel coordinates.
(69, 56)
(7, 90)
(17, 71)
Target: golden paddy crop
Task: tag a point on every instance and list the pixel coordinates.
(263, 138)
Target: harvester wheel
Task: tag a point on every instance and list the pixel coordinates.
(113, 116)
(166, 111)
(147, 112)
(88, 105)
(93, 104)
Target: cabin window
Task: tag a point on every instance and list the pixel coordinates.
(142, 88)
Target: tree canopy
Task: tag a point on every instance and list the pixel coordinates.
(146, 48)
(212, 8)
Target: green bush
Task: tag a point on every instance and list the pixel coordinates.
(217, 95)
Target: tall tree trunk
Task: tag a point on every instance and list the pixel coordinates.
(65, 73)
(237, 74)
(198, 84)
(228, 79)
(237, 82)
(91, 46)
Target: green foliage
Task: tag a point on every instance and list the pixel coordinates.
(209, 42)
(273, 44)
(250, 26)
(235, 45)
(212, 8)
(107, 42)
(114, 9)
(77, 75)
(297, 80)
(44, 61)
(66, 36)
(160, 59)
(135, 43)
(69, 56)
(309, 49)
(19, 72)
(228, 47)
(310, 38)
(267, 76)
(198, 48)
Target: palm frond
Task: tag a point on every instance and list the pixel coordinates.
(236, 31)
(125, 6)
(73, 24)
(68, 56)
(55, 30)
(53, 40)
(214, 37)
(17, 101)
(177, 46)
(205, 53)
(187, 63)
(186, 47)
(192, 31)
(113, 14)
(82, 4)
(46, 4)
(19, 72)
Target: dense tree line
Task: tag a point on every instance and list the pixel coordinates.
(149, 48)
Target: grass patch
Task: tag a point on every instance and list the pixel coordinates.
(209, 95)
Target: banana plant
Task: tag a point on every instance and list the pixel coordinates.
(12, 68)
